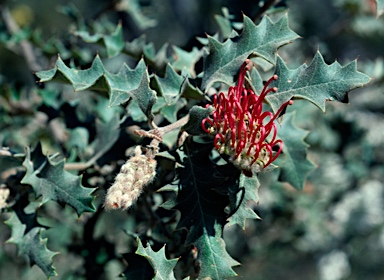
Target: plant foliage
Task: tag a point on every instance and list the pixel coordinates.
(125, 103)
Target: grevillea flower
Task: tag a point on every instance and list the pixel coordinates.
(241, 128)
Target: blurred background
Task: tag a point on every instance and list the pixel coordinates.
(332, 230)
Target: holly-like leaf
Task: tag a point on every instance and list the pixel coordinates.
(126, 84)
(30, 243)
(173, 86)
(225, 59)
(80, 79)
(114, 43)
(380, 7)
(215, 262)
(243, 193)
(186, 60)
(293, 161)
(49, 180)
(316, 82)
(145, 96)
(122, 83)
(202, 207)
(161, 265)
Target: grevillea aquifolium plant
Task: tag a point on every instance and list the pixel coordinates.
(204, 125)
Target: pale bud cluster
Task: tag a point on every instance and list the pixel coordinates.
(4, 194)
(134, 175)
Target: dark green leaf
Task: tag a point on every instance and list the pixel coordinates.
(316, 82)
(49, 180)
(225, 59)
(240, 196)
(293, 161)
(161, 265)
(30, 243)
(202, 207)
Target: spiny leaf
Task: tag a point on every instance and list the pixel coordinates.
(240, 196)
(114, 43)
(80, 79)
(30, 243)
(225, 59)
(202, 207)
(186, 60)
(216, 263)
(293, 161)
(49, 180)
(126, 84)
(316, 82)
(172, 86)
(145, 96)
(161, 265)
(122, 83)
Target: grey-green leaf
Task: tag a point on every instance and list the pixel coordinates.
(316, 82)
(293, 161)
(32, 245)
(225, 59)
(49, 180)
(162, 267)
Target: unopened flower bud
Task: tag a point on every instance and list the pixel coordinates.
(134, 175)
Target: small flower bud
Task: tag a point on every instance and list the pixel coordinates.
(134, 175)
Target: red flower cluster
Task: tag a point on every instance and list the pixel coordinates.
(241, 128)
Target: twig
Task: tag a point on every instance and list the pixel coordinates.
(26, 48)
(156, 133)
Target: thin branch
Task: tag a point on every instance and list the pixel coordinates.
(156, 134)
